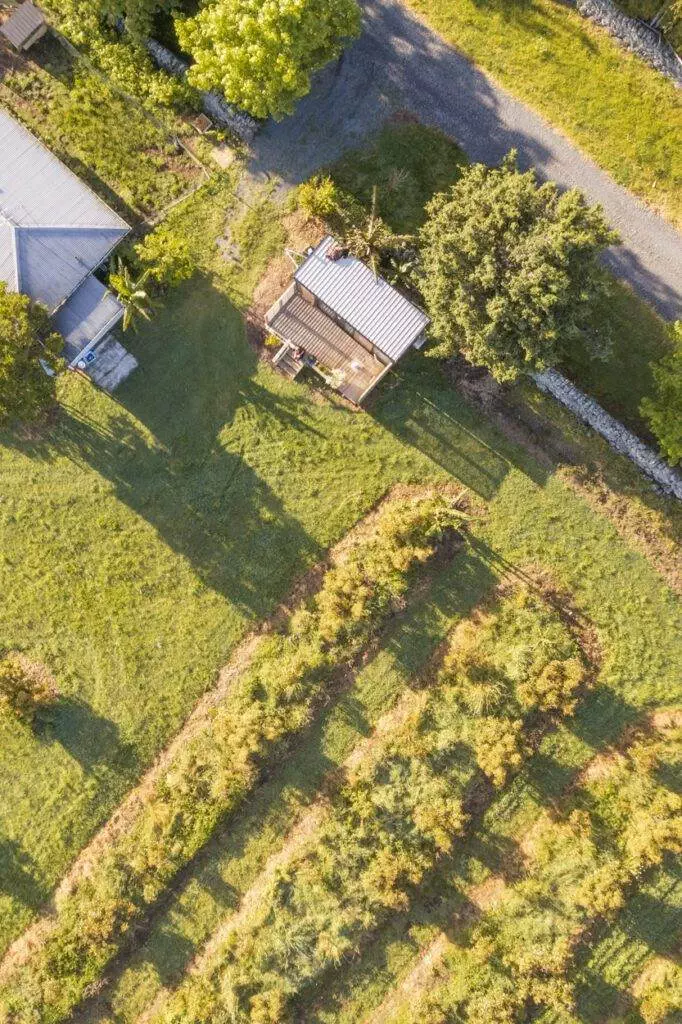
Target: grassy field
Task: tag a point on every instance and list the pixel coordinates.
(617, 109)
(143, 534)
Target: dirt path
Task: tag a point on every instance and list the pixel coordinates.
(400, 63)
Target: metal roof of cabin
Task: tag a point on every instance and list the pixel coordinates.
(53, 229)
(86, 315)
(22, 23)
(368, 304)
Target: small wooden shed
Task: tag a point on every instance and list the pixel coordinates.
(24, 27)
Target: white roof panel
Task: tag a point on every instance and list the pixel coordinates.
(87, 314)
(53, 229)
(368, 304)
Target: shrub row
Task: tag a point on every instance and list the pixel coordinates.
(388, 824)
(520, 959)
(211, 775)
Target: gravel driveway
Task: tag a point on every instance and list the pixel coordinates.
(397, 64)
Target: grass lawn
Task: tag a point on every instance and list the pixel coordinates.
(624, 114)
(141, 535)
(410, 163)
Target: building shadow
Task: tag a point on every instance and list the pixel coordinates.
(166, 447)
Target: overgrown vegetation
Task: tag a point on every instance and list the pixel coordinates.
(27, 388)
(663, 410)
(519, 960)
(396, 815)
(126, 154)
(213, 773)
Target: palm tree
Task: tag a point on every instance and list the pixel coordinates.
(372, 240)
(131, 293)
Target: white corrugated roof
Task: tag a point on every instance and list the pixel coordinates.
(53, 229)
(86, 315)
(368, 304)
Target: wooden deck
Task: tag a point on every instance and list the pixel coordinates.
(298, 322)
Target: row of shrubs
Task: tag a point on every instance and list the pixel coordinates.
(392, 819)
(520, 959)
(211, 775)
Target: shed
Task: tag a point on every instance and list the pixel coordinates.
(343, 321)
(25, 26)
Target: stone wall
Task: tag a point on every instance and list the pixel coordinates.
(618, 436)
(214, 105)
(643, 41)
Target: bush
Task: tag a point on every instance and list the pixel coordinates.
(554, 688)
(25, 688)
(318, 196)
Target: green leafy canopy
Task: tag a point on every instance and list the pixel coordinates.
(510, 270)
(26, 389)
(261, 53)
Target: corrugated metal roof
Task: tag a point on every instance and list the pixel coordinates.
(368, 304)
(53, 229)
(87, 314)
(22, 23)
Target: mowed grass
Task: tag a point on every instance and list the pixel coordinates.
(624, 114)
(410, 163)
(143, 534)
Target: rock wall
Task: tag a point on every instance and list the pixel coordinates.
(643, 41)
(214, 105)
(618, 436)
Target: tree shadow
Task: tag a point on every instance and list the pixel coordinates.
(19, 875)
(91, 739)
(426, 413)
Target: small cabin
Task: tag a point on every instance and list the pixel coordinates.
(24, 27)
(343, 321)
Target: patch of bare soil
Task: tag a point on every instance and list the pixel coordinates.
(302, 231)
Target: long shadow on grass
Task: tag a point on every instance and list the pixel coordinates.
(164, 446)
(424, 411)
(91, 739)
(18, 873)
(295, 780)
(650, 923)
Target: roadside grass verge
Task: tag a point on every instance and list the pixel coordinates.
(410, 163)
(123, 153)
(620, 111)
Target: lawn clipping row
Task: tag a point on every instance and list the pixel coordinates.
(291, 673)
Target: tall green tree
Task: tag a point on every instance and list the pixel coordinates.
(664, 409)
(261, 53)
(27, 385)
(511, 275)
